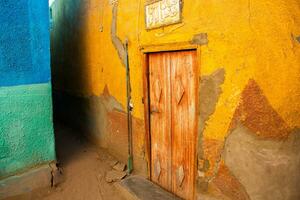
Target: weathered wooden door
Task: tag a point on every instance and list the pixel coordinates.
(173, 97)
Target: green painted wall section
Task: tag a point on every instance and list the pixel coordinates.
(26, 128)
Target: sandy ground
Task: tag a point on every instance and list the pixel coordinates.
(84, 169)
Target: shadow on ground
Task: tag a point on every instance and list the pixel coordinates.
(84, 168)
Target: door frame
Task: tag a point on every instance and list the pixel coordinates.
(145, 51)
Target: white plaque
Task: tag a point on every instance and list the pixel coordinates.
(162, 13)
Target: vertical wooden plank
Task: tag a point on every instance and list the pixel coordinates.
(159, 82)
(184, 122)
(145, 64)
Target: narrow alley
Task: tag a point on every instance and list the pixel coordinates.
(149, 100)
(84, 169)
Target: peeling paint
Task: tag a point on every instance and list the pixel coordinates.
(257, 116)
(235, 41)
(200, 39)
(115, 39)
(202, 185)
(209, 92)
(109, 101)
(298, 39)
(267, 169)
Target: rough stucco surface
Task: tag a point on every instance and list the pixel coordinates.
(26, 133)
(255, 42)
(37, 178)
(24, 39)
(235, 43)
(256, 113)
(233, 189)
(209, 93)
(267, 169)
(259, 144)
(26, 129)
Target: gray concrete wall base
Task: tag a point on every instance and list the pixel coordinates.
(17, 185)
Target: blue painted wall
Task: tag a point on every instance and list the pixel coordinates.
(24, 42)
(26, 125)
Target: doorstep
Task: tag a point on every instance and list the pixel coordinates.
(139, 188)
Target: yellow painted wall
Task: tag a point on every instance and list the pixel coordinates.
(248, 38)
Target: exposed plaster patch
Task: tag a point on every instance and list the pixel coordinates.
(115, 39)
(255, 114)
(203, 165)
(267, 169)
(201, 39)
(100, 107)
(110, 102)
(298, 39)
(202, 185)
(209, 92)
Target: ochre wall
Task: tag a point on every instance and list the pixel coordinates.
(249, 71)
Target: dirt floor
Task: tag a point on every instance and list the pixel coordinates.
(84, 169)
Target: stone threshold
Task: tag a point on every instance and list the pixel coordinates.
(16, 186)
(139, 188)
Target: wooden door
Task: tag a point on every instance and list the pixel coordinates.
(160, 111)
(173, 96)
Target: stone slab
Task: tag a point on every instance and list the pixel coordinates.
(25, 183)
(114, 175)
(139, 188)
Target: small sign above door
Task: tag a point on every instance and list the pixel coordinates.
(162, 12)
